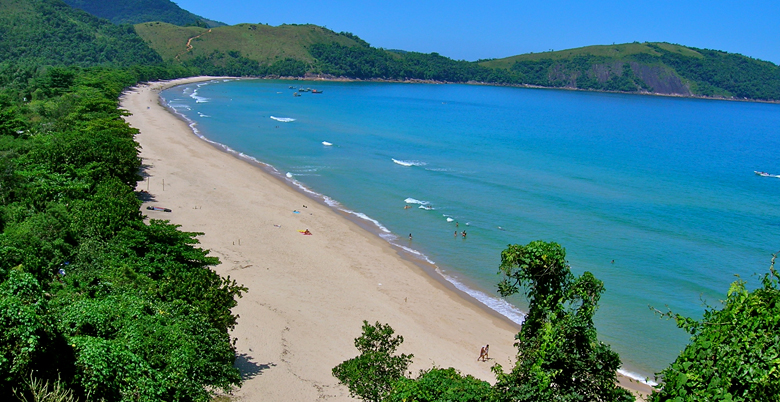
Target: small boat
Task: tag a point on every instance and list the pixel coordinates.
(762, 174)
(296, 94)
(292, 87)
(316, 91)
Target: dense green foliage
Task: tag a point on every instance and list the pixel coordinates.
(49, 32)
(734, 352)
(137, 11)
(648, 67)
(371, 375)
(721, 73)
(368, 62)
(89, 292)
(234, 64)
(437, 384)
(559, 355)
(579, 72)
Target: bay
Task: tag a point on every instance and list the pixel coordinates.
(656, 196)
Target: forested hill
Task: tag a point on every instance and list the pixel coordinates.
(49, 32)
(137, 11)
(303, 50)
(661, 68)
(309, 50)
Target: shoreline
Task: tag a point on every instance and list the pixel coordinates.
(441, 330)
(528, 86)
(373, 227)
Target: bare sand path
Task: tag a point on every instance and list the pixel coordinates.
(308, 295)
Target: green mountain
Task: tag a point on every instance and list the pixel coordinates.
(660, 68)
(49, 32)
(137, 11)
(298, 50)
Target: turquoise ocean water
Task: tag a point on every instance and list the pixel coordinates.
(665, 187)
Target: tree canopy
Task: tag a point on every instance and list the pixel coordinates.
(90, 294)
(734, 352)
(559, 355)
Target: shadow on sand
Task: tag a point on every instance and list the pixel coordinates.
(248, 367)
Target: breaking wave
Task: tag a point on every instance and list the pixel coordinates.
(408, 163)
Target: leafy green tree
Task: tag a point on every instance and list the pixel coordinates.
(371, 375)
(91, 296)
(559, 355)
(437, 384)
(29, 340)
(734, 352)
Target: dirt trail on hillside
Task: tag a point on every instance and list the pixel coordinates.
(189, 44)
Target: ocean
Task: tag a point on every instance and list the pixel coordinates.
(656, 196)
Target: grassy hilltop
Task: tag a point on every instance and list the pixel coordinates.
(262, 43)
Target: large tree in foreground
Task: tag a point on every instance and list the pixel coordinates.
(371, 375)
(559, 355)
(734, 353)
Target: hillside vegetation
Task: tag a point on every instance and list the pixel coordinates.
(111, 307)
(298, 50)
(93, 297)
(661, 68)
(262, 43)
(49, 32)
(137, 11)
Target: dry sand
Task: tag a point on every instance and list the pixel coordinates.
(308, 295)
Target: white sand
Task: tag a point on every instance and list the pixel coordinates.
(308, 295)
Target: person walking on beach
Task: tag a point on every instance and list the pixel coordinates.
(483, 353)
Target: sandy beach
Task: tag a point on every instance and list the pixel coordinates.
(308, 295)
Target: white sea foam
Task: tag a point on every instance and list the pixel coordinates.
(415, 252)
(203, 115)
(637, 377)
(500, 306)
(408, 163)
(283, 119)
(198, 99)
(326, 143)
(450, 219)
(307, 169)
(411, 200)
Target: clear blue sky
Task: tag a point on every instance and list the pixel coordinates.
(471, 30)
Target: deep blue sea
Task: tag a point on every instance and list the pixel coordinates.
(656, 196)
